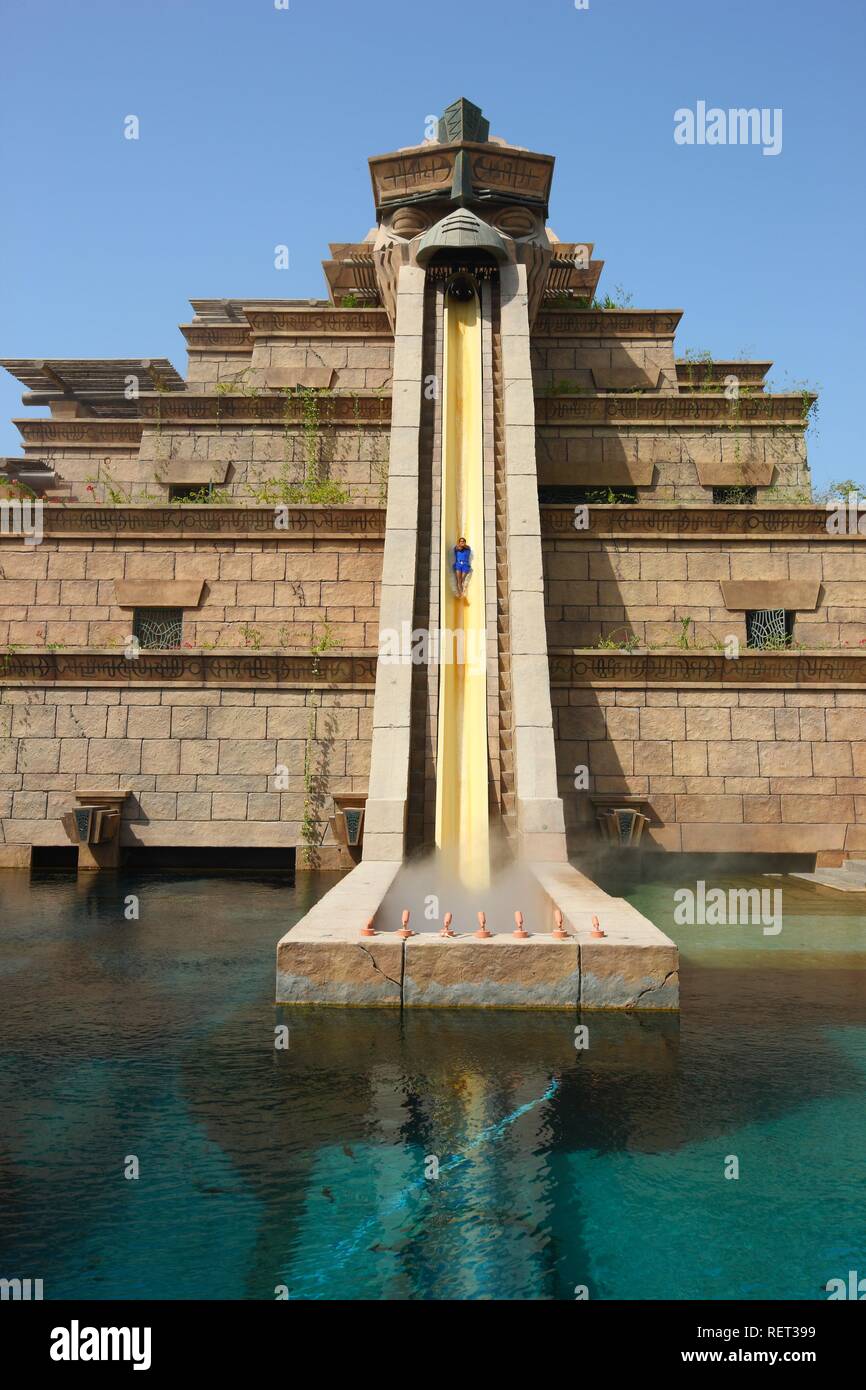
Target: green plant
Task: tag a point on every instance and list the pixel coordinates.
(215, 496)
(738, 496)
(315, 783)
(252, 637)
(113, 491)
(314, 490)
(776, 643)
(15, 491)
(840, 490)
(629, 643)
(378, 461)
(699, 370)
(563, 388)
(608, 495)
(683, 638)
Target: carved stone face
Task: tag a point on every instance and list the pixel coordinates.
(515, 224)
(407, 222)
(518, 228)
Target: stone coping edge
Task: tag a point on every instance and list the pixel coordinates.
(324, 960)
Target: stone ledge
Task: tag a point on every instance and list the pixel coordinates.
(158, 593)
(730, 473)
(660, 521)
(599, 473)
(502, 973)
(782, 670)
(696, 408)
(261, 670)
(606, 323)
(797, 595)
(325, 960)
(201, 520)
(635, 966)
(193, 472)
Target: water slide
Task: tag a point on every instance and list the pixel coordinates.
(462, 817)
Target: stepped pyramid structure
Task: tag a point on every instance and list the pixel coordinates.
(674, 639)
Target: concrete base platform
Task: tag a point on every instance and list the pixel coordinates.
(325, 960)
(850, 877)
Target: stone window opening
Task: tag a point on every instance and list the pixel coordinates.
(566, 496)
(735, 496)
(158, 628)
(190, 492)
(769, 628)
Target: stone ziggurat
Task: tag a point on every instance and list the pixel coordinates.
(278, 509)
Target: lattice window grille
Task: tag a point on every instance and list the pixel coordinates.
(767, 627)
(159, 627)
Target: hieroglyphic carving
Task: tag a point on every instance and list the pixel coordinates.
(707, 668)
(513, 172)
(418, 171)
(176, 522)
(277, 407)
(639, 408)
(358, 323)
(80, 433)
(607, 323)
(300, 669)
(221, 338)
(654, 520)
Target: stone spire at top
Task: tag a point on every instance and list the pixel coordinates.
(463, 121)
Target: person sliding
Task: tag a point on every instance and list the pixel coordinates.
(462, 567)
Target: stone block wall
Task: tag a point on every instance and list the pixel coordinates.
(645, 588)
(202, 765)
(763, 770)
(664, 465)
(249, 463)
(585, 363)
(358, 364)
(257, 593)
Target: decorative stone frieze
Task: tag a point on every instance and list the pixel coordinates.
(274, 671)
(273, 523)
(825, 670)
(639, 409)
(652, 520)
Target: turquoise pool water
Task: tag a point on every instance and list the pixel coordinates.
(311, 1169)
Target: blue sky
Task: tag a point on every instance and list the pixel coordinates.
(256, 124)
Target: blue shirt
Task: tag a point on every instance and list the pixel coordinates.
(462, 560)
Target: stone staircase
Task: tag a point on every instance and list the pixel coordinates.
(850, 877)
(507, 795)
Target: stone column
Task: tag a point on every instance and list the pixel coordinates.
(540, 818)
(385, 820)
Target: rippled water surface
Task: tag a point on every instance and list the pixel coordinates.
(312, 1167)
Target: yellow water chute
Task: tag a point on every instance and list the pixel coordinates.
(462, 817)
